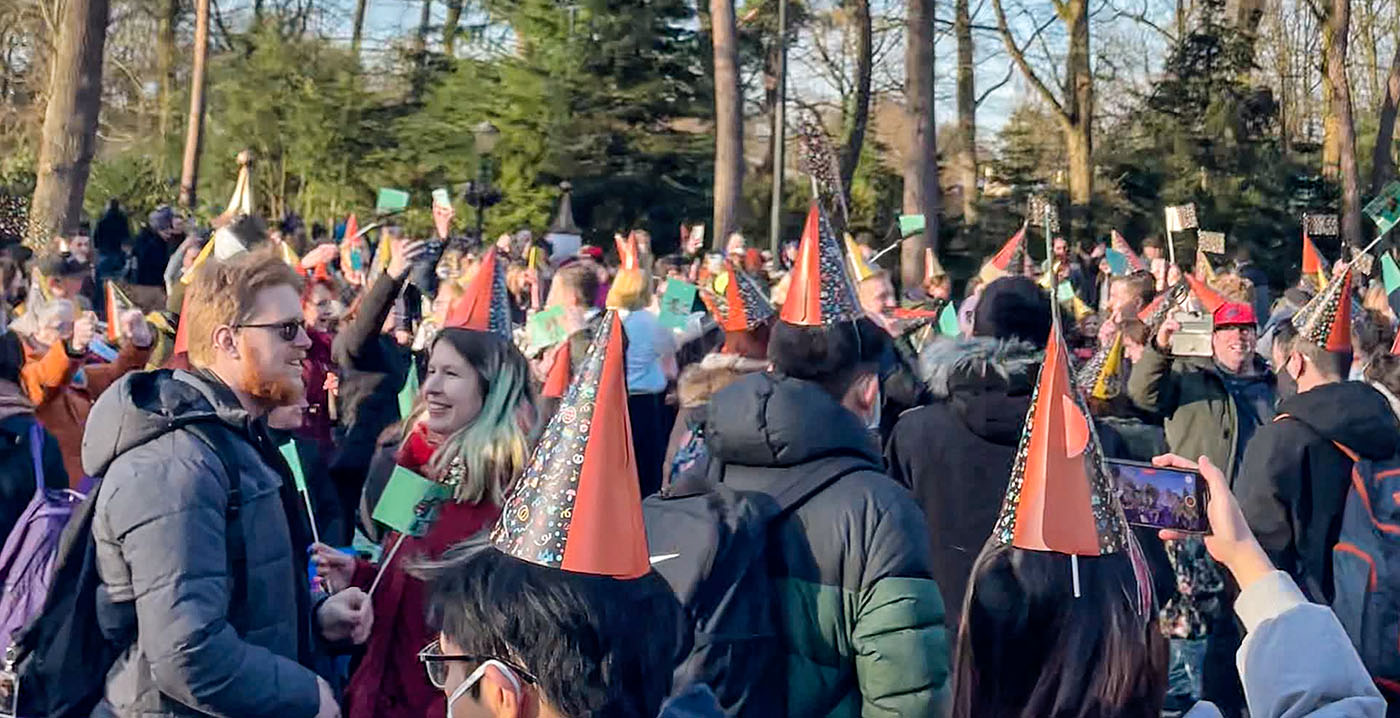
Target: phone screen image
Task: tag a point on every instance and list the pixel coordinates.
(1161, 498)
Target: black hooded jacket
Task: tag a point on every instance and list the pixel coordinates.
(1294, 480)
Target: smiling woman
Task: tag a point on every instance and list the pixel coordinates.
(469, 428)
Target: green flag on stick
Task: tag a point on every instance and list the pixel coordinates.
(910, 224)
(409, 393)
(1390, 273)
(948, 321)
(293, 457)
(410, 502)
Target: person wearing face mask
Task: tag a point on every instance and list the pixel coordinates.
(213, 634)
(1209, 406)
(854, 555)
(1296, 473)
(469, 429)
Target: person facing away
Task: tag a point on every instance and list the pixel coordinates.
(865, 628)
(17, 450)
(1210, 406)
(1295, 478)
(470, 428)
(206, 640)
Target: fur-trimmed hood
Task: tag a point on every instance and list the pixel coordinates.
(947, 364)
(699, 382)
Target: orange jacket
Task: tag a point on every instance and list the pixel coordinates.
(61, 406)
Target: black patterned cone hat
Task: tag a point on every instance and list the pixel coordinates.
(747, 306)
(578, 506)
(484, 306)
(821, 292)
(1060, 497)
(1326, 319)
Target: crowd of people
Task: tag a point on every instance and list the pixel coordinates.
(336, 472)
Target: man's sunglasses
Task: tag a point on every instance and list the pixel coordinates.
(435, 662)
(286, 331)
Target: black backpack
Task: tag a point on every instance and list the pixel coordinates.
(710, 542)
(63, 655)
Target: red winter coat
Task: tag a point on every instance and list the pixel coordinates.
(390, 681)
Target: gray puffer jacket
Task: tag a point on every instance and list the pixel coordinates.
(160, 529)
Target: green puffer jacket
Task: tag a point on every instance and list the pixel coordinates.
(1189, 394)
(863, 619)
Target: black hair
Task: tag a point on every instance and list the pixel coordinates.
(1013, 307)
(56, 266)
(1334, 365)
(577, 634)
(833, 355)
(1029, 648)
(11, 356)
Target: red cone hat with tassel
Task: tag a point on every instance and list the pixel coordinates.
(578, 505)
(820, 292)
(556, 382)
(1326, 319)
(1314, 266)
(1001, 263)
(484, 306)
(1059, 497)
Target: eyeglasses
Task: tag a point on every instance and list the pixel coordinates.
(435, 663)
(286, 331)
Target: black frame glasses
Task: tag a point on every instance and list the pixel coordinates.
(435, 664)
(286, 331)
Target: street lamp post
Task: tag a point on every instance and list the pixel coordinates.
(479, 193)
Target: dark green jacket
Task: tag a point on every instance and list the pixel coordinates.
(1190, 396)
(863, 619)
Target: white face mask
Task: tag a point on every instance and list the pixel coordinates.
(476, 677)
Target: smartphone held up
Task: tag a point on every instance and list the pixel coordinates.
(1162, 498)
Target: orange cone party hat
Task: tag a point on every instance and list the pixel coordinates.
(117, 302)
(1314, 266)
(820, 292)
(744, 307)
(182, 332)
(1001, 264)
(1059, 497)
(1326, 319)
(484, 306)
(1210, 299)
(578, 506)
(556, 383)
(1120, 244)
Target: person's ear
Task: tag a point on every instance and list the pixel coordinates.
(501, 693)
(226, 342)
(869, 391)
(1296, 365)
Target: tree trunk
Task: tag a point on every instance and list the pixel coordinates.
(165, 65)
(449, 25)
(921, 160)
(194, 129)
(1079, 127)
(729, 121)
(358, 30)
(859, 115)
(1383, 156)
(967, 112)
(70, 121)
(1339, 118)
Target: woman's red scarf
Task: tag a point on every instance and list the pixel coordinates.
(417, 450)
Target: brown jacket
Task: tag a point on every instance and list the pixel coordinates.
(61, 405)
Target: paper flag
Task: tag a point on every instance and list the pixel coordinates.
(410, 502)
(1321, 225)
(948, 321)
(910, 225)
(390, 200)
(1065, 292)
(1213, 242)
(293, 457)
(1384, 210)
(1041, 211)
(409, 393)
(1117, 262)
(676, 303)
(1390, 273)
(442, 212)
(544, 329)
(1181, 217)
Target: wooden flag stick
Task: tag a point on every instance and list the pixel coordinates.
(384, 565)
(310, 514)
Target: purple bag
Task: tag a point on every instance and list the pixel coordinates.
(26, 562)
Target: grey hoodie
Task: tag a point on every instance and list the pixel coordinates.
(160, 527)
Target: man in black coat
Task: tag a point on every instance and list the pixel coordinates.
(1294, 481)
